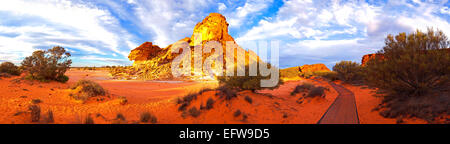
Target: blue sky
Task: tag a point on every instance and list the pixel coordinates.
(102, 32)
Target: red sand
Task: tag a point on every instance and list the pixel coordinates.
(366, 101)
(159, 98)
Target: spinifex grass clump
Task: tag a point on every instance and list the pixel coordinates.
(85, 89)
(415, 70)
(310, 91)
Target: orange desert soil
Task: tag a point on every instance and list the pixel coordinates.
(367, 100)
(159, 98)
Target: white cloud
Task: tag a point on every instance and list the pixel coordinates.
(77, 25)
(344, 29)
(222, 7)
(250, 8)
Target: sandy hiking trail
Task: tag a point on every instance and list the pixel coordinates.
(343, 110)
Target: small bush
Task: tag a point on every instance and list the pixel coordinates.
(88, 120)
(148, 117)
(248, 99)
(9, 68)
(186, 101)
(350, 72)
(87, 89)
(332, 76)
(123, 100)
(35, 112)
(246, 82)
(209, 103)
(120, 117)
(36, 101)
(183, 107)
(316, 92)
(226, 92)
(237, 113)
(302, 88)
(48, 65)
(194, 112)
(49, 118)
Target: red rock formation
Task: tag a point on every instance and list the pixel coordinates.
(153, 62)
(368, 57)
(144, 52)
(313, 68)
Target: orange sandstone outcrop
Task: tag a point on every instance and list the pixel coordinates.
(144, 52)
(313, 68)
(152, 62)
(368, 57)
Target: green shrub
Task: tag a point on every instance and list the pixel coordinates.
(350, 72)
(48, 65)
(246, 82)
(414, 65)
(87, 89)
(9, 68)
(332, 76)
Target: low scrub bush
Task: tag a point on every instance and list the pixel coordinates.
(147, 117)
(237, 113)
(194, 112)
(248, 99)
(246, 82)
(85, 89)
(350, 72)
(302, 88)
(9, 68)
(226, 92)
(209, 103)
(316, 92)
(35, 111)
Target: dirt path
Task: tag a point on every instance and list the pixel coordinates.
(343, 110)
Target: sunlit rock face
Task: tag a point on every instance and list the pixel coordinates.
(368, 57)
(152, 62)
(213, 27)
(313, 68)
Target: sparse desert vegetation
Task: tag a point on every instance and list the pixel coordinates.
(350, 72)
(414, 74)
(8, 68)
(85, 89)
(48, 65)
(309, 91)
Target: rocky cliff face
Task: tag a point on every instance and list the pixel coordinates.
(152, 62)
(313, 68)
(368, 57)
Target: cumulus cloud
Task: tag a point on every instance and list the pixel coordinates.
(323, 31)
(80, 26)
